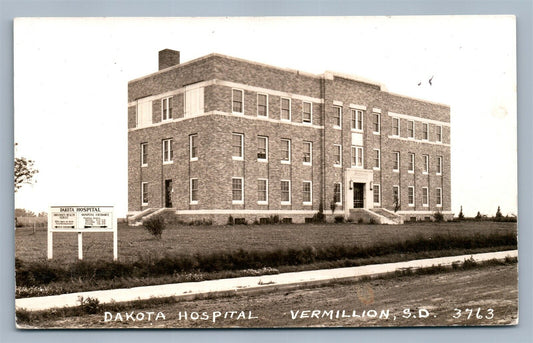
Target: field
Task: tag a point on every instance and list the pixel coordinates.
(135, 242)
(491, 289)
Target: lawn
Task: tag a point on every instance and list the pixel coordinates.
(135, 242)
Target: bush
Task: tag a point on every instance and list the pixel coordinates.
(155, 226)
(230, 220)
(461, 215)
(372, 221)
(498, 217)
(478, 216)
(89, 305)
(339, 219)
(438, 217)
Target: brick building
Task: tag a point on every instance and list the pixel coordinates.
(220, 136)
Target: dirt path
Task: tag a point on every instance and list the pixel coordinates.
(428, 300)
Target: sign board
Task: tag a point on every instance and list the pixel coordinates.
(81, 219)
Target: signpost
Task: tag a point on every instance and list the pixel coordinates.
(81, 219)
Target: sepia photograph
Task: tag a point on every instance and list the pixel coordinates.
(265, 172)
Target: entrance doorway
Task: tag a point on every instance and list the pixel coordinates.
(168, 193)
(358, 195)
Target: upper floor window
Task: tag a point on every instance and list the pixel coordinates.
(237, 146)
(144, 113)
(337, 155)
(357, 120)
(396, 161)
(167, 151)
(411, 129)
(237, 101)
(286, 151)
(439, 133)
(426, 164)
(262, 105)
(166, 109)
(377, 159)
(194, 100)
(144, 154)
(395, 126)
(337, 117)
(377, 122)
(307, 115)
(425, 131)
(411, 163)
(357, 156)
(286, 109)
(193, 147)
(439, 165)
(308, 153)
(262, 148)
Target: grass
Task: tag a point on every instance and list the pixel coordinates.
(135, 243)
(93, 306)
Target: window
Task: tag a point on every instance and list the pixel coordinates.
(193, 147)
(285, 109)
(426, 164)
(237, 190)
(262, 148)
(411, 195)
(411, 129)
(194, 100)
(357, 120)
(308, 153)
(396, 161)
(376, 123)
(439, 165)
(286, 151)
(166, 109)
(167, 151)
(357, 156)
(425, 196)
(285, 192)
(377, 194)
(194, 191)
(307, 115)
(144, 154)
(411, 163)
(438, 194)
(337, 193)
(237, 100)
(439, 133)
(262, 105)
(337, 117)
(307, 192)
(377, 159)
(237, 146)
(337, 155)
(144, 113)
(425, 131)
(144, 193)
(262, 191)
(396, 126)
(396, 196)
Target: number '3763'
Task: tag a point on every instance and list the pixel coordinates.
(478, 313)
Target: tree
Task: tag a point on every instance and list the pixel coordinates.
(396, 204)
(461, 215)
(499, 215)
(24, 171)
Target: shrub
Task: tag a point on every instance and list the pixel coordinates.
(372, 221)
(461, 215)
(230, 220)
(360, 221)
(478, 216)
(498, 217)
(274, 219)
(339, 219)
(319, 217)
(155, 226)
(438, 217)
(89, 305)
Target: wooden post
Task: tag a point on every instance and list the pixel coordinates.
(50, 235)
(80, 246)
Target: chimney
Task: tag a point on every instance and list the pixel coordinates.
(168, 58)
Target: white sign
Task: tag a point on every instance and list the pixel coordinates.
(81, 219)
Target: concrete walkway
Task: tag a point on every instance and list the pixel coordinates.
(189, 290)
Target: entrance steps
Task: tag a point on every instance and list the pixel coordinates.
(375, 215)
(137, 219)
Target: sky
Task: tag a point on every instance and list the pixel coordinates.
(71, 75)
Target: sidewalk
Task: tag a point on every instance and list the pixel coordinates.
(265, 282)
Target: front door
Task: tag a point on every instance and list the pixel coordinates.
(358, 195)
(168, 193)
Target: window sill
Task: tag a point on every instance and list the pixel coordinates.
(396, 170)
(237, 202)
(286, 120)
(262, 203)
(357, 130)
(376, 168)
(425, 205)
(237, 113)
(262, 160)
(307, 203)
(376, 133)
(144, 165)
(411, 205)
(144, 204)
(194, 159)
(410, 171)
(262, 116)
(168, 162)
(337, 127)
(236, 158)
(377, 204)
(193, 203)
(424, 173)
(307, 163)
(438, 205)
(285, 202)
(285, 162)
(439, 174)
(338, 203)
(337, 165)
